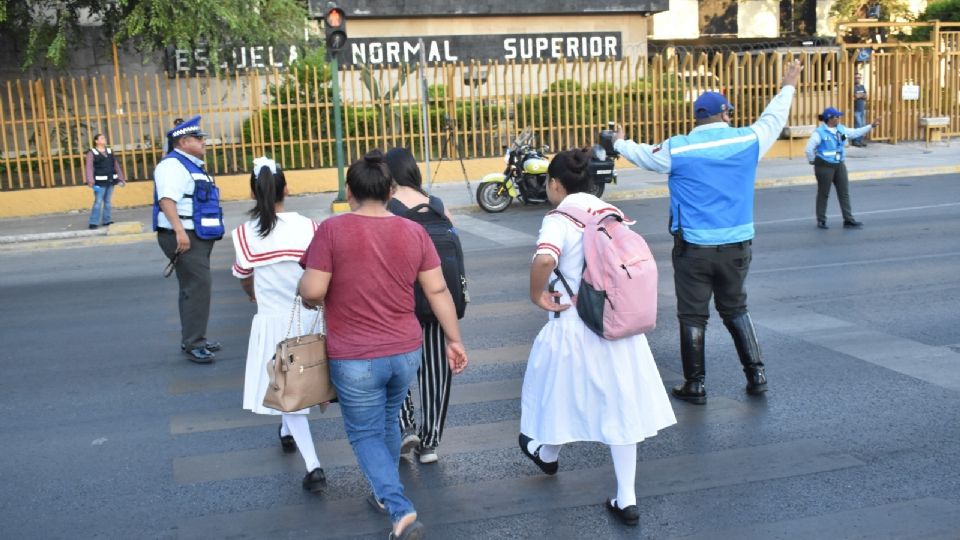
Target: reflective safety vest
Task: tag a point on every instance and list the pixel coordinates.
(207, 213)
(832, 147)
(711, 181)
(104, 167)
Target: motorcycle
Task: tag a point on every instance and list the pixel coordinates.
(525, 177)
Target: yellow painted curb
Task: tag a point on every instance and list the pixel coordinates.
(117, 240)
(339, 207)
(125, 227)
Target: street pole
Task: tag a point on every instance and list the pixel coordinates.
(425, 113)
(338, 129)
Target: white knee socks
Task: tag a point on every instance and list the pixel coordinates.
(625, 465)
(548, 452)
(298, 426)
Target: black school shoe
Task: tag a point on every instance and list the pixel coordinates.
(628, 516)
(315, 481)
(287, 442)
(548, 468)
(852, 224)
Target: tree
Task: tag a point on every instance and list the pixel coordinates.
(54, 27)
(941, 10)
(850, 10)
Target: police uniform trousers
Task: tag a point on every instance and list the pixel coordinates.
(193, 275)
(702, 271)
(836, 174)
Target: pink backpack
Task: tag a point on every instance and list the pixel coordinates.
(618, 290)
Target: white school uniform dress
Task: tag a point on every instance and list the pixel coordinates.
(274, 262)
(579, 386)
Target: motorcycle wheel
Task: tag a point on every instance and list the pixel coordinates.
(597, 189)
(493, 197)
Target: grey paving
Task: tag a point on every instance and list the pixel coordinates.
(926, 519)
(534, 494)
(935, 365)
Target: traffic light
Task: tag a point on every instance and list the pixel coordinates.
(335, 25)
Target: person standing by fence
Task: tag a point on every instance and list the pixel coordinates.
(859, 108)
(102, 173)
(826, 151)
(712, 171)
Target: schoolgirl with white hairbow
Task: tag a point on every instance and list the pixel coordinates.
(268, 250)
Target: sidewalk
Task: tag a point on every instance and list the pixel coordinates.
(878, 160)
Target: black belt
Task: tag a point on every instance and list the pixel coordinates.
(720, 247)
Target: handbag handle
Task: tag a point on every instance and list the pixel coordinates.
(295, 314)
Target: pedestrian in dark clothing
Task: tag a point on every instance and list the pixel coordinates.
(434, 376)
(826, 151)
(859, 108)
(712, 174)
(102, 172)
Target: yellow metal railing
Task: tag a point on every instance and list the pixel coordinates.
(46, 126)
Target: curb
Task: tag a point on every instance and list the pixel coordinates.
(132, 231)
(114, 229)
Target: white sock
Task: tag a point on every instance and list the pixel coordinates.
(549, 453)
(284, 430)
(625, 466)
(298, 426)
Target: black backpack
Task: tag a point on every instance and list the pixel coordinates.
(447, 242)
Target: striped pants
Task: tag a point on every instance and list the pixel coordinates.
(434, 377)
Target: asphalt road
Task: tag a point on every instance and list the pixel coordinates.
(110, 433)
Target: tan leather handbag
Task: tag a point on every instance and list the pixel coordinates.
(299, 372)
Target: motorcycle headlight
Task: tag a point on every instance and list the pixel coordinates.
(599, 152)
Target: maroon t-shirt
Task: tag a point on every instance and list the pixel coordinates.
(373, 262)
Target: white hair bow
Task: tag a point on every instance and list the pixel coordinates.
(262, 162)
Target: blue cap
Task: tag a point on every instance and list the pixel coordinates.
(190, 127)
(829, 113)
(709, 104)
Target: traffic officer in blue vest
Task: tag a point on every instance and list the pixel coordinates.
(188, 220)
(826, 151)
(712, 173)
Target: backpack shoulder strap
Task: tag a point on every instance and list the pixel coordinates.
(415, 213)
(437, 205)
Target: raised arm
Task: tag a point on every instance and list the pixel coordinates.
(770, 124)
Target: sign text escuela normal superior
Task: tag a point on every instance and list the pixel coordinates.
(390, 51)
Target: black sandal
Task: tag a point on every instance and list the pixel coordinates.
(413, 531)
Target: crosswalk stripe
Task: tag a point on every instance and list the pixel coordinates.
(530, 494)
(499, 234)
(935, 365)
(456, 440)
(922, 518)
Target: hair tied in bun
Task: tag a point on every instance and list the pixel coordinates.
(373, 157)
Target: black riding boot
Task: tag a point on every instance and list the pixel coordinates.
(745, 339)
(692, 355)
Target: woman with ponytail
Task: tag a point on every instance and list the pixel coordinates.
(579, 386)
(362, 266)
(268, 249)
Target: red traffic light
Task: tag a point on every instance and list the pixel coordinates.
(333, 18)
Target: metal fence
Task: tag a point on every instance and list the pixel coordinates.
(475, 109)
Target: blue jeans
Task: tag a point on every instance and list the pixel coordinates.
(859, 120)
(371, 393)
(101, 196)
